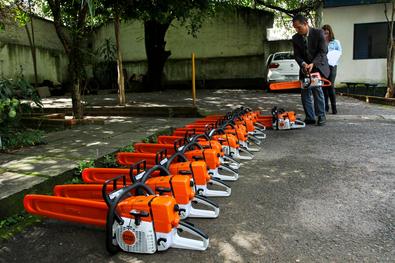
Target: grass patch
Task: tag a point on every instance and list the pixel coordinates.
(12, 225)
(19, 139)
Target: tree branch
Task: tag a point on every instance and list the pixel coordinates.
(304, 7)
(54, 5)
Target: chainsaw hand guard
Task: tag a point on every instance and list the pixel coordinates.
(230, 175)
(229, 161)
(192, 212)
(205, 191)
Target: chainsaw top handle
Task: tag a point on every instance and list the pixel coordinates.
(173, 157)
(112, 214)
(216, 131)
(191, 144)
(196, 137)
(147, 174)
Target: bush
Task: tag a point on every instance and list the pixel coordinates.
(12, 91)
(84, 164)
(19, 139)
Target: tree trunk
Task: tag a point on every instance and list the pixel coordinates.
(390, 70)
(155, 44)
(32, 42)
(73, 50)
(34, 52)
(75, 72)
(390, 53)
(32, 49)
(121, 82)
(78, 110)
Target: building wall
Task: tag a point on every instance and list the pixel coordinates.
(15, 52)
(229, 45)
(342, 20)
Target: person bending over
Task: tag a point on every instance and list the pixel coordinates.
(310, 51)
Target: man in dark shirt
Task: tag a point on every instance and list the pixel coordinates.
(310, 51)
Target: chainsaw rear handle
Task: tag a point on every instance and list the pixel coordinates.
(160, 155)
(114, 181)
(178, 143)
(173, 157)
(189, 133)
(187, 243)
(326, 82)
(112, 215)
(138, 169)
(193, 229)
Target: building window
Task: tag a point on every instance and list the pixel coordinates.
(370, 40)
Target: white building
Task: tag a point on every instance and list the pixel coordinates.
(361, 27)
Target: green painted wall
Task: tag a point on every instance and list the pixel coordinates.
(15, 52)
(229, 45)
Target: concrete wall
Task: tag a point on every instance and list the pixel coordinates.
(15, 52)
(231, 45)
(228, 46)
(342, 20)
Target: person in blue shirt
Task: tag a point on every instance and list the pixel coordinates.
(334, 53)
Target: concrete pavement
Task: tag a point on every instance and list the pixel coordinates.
(322, 194)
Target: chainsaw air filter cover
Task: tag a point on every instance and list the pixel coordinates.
(135, 238)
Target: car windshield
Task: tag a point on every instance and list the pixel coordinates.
(283, 56)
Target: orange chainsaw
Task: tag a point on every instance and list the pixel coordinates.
(206, 143)
(228, 127)
(230, 143)
(178, 186)
(179, 164)
(210, 156)
(134, 223)
(286, 120)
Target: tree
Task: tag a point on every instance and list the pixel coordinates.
(121, 79)
(157, 15)
(73, 14)
(24, 15)
(389, 15)
(116, 12)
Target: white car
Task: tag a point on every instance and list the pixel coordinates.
(281, 67)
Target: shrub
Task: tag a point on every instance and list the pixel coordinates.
(12, 92)
(19, 139)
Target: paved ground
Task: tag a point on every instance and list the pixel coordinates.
(224, 100)
(323, 194)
